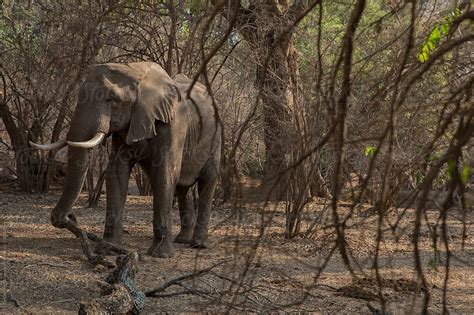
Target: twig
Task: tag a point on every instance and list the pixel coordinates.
(47, 264)
(56, 302)
(374, 310)
(84, 237)
(177, 281)
(186, 291)
(89, 252)
(5, 144)
(9, 296)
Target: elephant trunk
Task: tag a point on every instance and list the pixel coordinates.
(78, 160)
(78, 157)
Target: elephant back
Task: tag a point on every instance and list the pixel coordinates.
(199, 93)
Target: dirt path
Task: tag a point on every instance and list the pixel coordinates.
(44, 270)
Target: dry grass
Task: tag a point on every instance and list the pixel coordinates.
(44, 269)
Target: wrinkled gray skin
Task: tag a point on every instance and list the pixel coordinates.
(176, 141)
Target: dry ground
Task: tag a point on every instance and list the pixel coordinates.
(44, 270)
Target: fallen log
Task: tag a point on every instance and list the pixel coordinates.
(118, 293)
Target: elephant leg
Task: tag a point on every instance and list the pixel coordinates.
(165, 170)
(118, 174)
(163, 193)
(206, 186)
(187, 214)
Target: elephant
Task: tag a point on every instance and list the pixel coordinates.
(173, 133)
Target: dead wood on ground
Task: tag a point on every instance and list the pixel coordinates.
(118, 292)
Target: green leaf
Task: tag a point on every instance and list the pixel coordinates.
(451, 168)
(424, 53)
(466, 170)
(370, 151)
(445, 28)
(418, 178)
(433, 157)
(430, 45)
(432, 264)
(435, 36)
(457, 13)
(423, 56)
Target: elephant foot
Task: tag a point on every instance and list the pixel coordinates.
(161, 249)
(184, 237)
(199, 243)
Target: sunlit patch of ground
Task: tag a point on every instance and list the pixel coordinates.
(43, 268)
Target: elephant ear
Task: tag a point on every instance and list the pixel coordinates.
(157, 99)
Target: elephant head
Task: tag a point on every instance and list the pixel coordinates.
(125, 98)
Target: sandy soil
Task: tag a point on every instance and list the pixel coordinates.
(43, 269)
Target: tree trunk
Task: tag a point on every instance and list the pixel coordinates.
(275, 83)
(142, 181)
(23, 170)
(32, 168)
(228, 171)
(267, 26)
(19, 146)
(94, 197)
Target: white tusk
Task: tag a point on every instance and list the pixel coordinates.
(97, 139)
(49, 147)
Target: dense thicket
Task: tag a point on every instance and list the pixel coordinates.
(354, 100)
